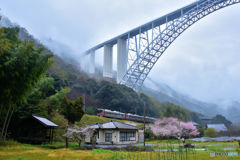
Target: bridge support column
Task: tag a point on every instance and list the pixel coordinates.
(92, 62)
(108, 61)
(122, 59)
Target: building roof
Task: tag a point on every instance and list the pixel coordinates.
(195, 124)
(217, 127)
(44, 121)
(205, 118)
(114, 125)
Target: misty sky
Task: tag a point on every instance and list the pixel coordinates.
(203, 62)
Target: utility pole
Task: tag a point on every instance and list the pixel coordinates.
(66, 140)
(84, 103)
(144, 118)
(144, 121)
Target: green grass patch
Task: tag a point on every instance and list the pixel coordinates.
(17, 158)
(92, 119)
(102, 151)
(59, 145)
(17, 151)
(116, 156)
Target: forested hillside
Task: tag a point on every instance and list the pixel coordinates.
(109, 95)
(59, 93)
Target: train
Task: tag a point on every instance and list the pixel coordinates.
(125, 116)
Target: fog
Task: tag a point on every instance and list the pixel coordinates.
(202, 62)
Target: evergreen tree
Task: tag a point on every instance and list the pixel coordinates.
(72, 110)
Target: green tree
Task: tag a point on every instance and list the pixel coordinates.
(41, 103)
(201, 130)
(210, 132)
(21, 67)
(172, 110)
(149, 134)
(53, 103)
(221, 119)
(72, 110)
(35, 100)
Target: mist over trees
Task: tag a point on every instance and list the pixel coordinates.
(29, 86)
(32, 84)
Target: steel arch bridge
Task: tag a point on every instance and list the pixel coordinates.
(147, 43)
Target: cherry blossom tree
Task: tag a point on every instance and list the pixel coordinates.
(79, 134)
(172, 127)
(188, 129)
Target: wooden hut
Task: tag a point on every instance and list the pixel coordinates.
(36, 130)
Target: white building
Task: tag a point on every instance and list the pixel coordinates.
(217, 127)
(115, 133)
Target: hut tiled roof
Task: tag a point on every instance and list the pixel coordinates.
(114, 125)
(44, 121)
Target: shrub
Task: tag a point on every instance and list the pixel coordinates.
(149, 134)
(210, 132)
(61, 129)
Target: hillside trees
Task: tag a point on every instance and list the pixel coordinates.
(121, 98)
(44, 101)
(117, 97)
(109, 95)
(21, 67)
(171, 110)
(221, 119)
(53, 103)
(35, 99)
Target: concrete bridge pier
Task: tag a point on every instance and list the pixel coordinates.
(108, 61)
(92, 62)
(122, 59)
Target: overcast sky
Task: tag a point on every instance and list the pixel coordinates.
(203, 62)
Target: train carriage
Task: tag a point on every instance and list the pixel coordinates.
(126, 116)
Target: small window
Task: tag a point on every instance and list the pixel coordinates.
(127, 136)
(108, 137)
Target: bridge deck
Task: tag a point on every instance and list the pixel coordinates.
(145, 27)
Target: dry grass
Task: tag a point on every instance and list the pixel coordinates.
(26, 152)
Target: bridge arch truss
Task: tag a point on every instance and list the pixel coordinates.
(141, 48)
(146, 47)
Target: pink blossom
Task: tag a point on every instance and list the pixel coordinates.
(79, 134)
(172, 127)
(188, 129)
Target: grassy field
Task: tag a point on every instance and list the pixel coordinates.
(207, 145)
(17, 151)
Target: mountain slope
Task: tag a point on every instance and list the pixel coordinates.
(98, 93)
(164, 93)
